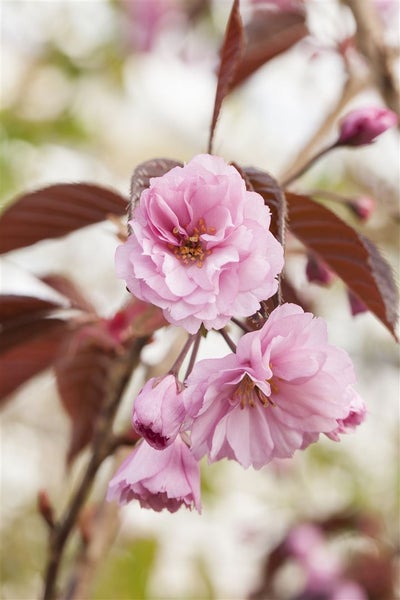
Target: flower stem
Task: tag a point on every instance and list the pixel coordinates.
(308, 165)
(228, 340)
(174, 370)
(193, 356)
(240, 324)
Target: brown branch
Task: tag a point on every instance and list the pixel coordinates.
(351, 88)
(370, 42)
(100, 450)
(104, 527)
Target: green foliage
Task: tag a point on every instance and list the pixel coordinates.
(127, 573)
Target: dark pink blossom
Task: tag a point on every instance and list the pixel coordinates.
(362, 125)
(159, 479)
(283, 387)
(200, 247)
(158, 411)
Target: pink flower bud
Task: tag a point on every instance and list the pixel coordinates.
(362, 207)
(159, 479)
(362, 125)
(318, 272)
(158, 411)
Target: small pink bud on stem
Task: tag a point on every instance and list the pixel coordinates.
(363, 125)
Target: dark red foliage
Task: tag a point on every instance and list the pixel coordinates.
(231, 54)
(54, 211)
(354, 258)
(268, 34)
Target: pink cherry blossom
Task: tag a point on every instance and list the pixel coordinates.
(362, 125)
(158, 411)
(200, 247)
(356, 415)
(159, 479)
(283, 387)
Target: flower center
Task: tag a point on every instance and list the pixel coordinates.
(190, 249)
(247, 393)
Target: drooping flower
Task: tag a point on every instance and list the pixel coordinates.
(200, 246)
(159, 479)
(158, 411)
(362, 125)
(283, 387)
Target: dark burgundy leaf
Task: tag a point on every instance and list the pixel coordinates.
(353, 257)
(268, 34)
(20, 331)
(231, 53)
(274, 198)
(54, 211)
(144, 172)
(67, 288)
(23, 361)
(82, 379)
(14, 307)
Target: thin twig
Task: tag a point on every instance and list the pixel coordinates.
(193, 356)
(174, 370)
(240, 324)
(228, 340)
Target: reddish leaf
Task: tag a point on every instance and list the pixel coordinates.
(354, 258)
(82, 377)
(231, 53)
(23, 361)
(268, 34)
(274, 197)
(14, 307)
(54, 211)
(20, 332)
(144, 172)
(67, 288)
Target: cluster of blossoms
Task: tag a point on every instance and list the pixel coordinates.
(201, 250)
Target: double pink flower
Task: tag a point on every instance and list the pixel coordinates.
(283, 387)
(200, 247)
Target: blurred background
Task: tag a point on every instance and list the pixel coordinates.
(89, 90)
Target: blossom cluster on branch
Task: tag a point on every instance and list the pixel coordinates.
(200, 248)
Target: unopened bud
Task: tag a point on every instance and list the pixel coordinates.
(362, 207)
(363, 125)
(318, 272)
